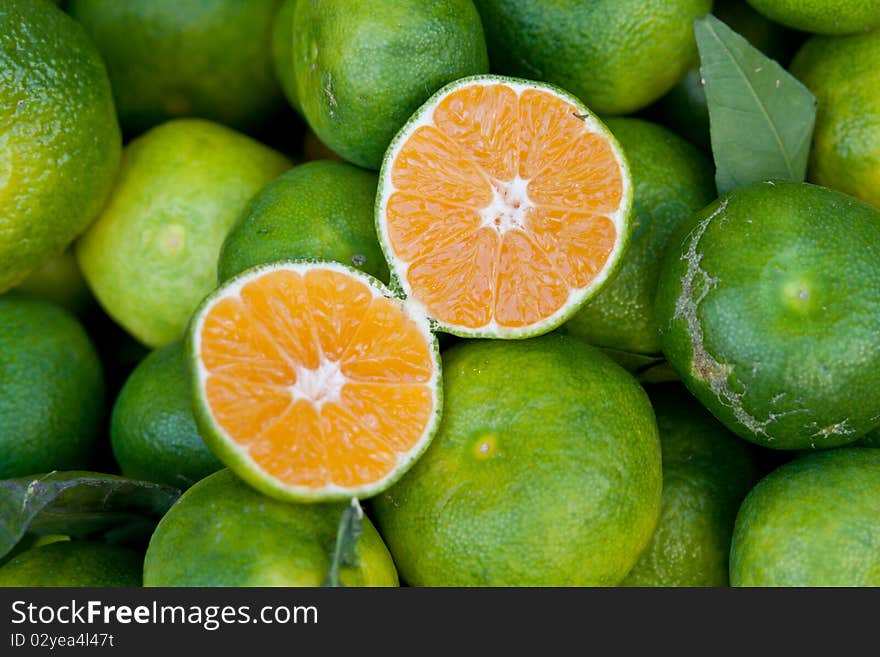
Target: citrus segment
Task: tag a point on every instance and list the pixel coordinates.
(253, 355)
(418, 223)
(529, 288)
(432, 165)
(336, 301)
(269, 302)
(312, 384)
(456, 282)
(504, 205)
(576, 241)
(245, 409)
(483, 121)
(387, 347)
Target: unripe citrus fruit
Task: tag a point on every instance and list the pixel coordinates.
(769, 310)
(320, 210)
(51, 389)
(151, 256)
(812, 522)
(545, 471)
(221, 532)
(58, 133)
(169, 59)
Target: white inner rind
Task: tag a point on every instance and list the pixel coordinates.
(509, 207)
(319, 386)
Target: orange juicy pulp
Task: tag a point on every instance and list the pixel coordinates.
(502, 206)
(319, 378)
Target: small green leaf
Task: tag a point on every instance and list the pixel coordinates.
(760, 117)
(344, 552)
(78, 504)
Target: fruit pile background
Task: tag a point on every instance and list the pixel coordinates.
(709, 416)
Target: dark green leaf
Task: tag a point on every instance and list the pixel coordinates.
(761, 118)
(344, 552)
(78, 504)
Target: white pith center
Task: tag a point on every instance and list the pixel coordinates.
(319, 386)
(509, 207)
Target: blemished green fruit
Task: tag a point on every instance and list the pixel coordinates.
(812, 522)
(671, 181)
(152, 428)
(58, 134)
(169, 59)
(221, 532)
(844, 75)
(51, 389)
(74, 563)
(822, 16)
(321, 210)
(617, 56)
(545, 471)
(361, 69)
(769, 310)
(707, 471)
(151, 256)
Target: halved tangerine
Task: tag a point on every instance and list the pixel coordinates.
(504, 205)
(311, 382)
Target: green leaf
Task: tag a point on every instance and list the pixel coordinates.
(344, 552)
(760, 117)
(79, 504)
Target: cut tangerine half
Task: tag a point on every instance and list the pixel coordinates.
(311, 382)
(504, 205)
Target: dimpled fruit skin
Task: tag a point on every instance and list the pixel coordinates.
(545, 471)
(221, 532)
(812, 522)
(51, 389)
(167, 58)
(672, 180)
(361, 69)
(74, 563)
(319, 210)
(58, 135)
(769, 310)
(152, 428)
(844, 75)
(822, 16)
(151, 256)
(707, 472)
(617, 56)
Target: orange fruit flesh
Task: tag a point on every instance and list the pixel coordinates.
(318, 377)
(501, 206)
